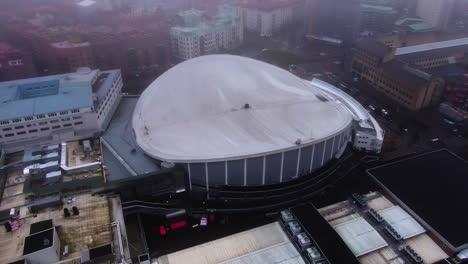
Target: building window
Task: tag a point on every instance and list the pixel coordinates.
(67, 125)
(9, 135)
(76, 117)
(17, 120)
(21, 133)
(28, 118)
(43, 123)
(64, 113)
(45, 129)
(52, 114)
(32, 131)
(55, 127)
(78, 123)
(75, 110)
(53, 121)
(15, 62)
(40, 116)
(6, 122)
(19, 127)
(7, 129)
(66, 119)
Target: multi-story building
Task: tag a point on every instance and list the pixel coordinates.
(458, 95)
(403, 82)
(68, 56)
(15, 63)
(339, 19)
(56, 108)
(267, 17)
(435, 12)
(378, 18)
(436, 54)
(199, 37)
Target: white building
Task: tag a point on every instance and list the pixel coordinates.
(57, 108)
(267, 17)
(233, 120)
(199, 36)
(435, 12)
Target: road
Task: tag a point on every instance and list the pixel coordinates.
(406, 131)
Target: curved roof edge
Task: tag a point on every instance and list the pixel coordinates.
(247, 156)
(360, 114)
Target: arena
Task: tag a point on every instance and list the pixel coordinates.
(235, 121)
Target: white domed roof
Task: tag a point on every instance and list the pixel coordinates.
(196, 111)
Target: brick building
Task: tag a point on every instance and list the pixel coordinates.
(15, 63)
(68, 56)
(402, 82)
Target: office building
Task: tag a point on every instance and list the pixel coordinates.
(57, 108)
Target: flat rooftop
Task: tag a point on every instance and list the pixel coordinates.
(433, 186)
(265, 244)
(370, 241)
(54, 93)
(432, 46)
(121, 154)
(90, 229)
(360, 236)
(327, 239)
(42, 95)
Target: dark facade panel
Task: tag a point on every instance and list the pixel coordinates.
(328, 150)
(304, 163)
(273, 167)
(290, 165)
(216, 173)
(337, 144)
(197, 172)
(236, 172)
(255, 171)
(318, 154)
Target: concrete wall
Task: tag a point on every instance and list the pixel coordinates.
(46, 256)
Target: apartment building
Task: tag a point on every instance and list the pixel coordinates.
(435, 12)
(200, 36)
(68, 56)
(15, 63)
(52, 109)
(267, 17)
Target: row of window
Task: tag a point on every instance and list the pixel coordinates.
(109, 100)
(19, 133)
(42, 123)
(41, 116)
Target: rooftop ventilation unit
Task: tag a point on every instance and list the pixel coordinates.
(303, 240)
(294, 227)
(376, 215)
(359, 199)
(286, 216)
(393, 233)
(413, 255)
